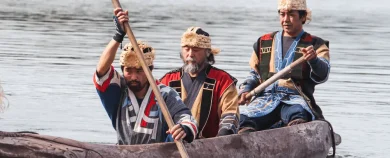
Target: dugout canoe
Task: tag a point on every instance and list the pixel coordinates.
(311, 139)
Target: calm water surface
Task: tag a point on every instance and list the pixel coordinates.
(49, 50)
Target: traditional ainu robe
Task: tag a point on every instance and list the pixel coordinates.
(295, 88)
(212, 98)
(140, 123)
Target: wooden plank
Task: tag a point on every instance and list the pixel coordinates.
(304, 140)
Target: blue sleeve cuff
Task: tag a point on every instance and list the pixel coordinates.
(189, 136)
(247, 86)
(313, 61)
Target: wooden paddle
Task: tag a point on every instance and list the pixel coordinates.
(152, 82)
(274, 78)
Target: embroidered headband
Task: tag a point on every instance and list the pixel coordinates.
(295, 5)
(196, 37)
(128, 57)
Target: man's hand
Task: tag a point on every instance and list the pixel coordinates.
(119, 19)
(177, 132)
(309, 53)
(242, 100)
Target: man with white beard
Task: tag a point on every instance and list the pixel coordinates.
(209, 92)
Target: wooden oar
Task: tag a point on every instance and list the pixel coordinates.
(152, 82)
(3, 101)
(274, 78)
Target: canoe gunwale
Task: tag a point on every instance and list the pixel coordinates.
(312, 139)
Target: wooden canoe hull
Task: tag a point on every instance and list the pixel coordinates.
(311, 139)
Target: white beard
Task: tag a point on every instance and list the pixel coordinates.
(191, 68)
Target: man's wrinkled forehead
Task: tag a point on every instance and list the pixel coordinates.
(192, 47)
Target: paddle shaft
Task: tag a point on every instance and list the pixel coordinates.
(152, 82)
(274, 78)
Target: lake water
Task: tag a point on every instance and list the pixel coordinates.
(49, 51)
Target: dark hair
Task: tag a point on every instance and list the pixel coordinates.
(150, 67)
(210, 58)
(301, 13)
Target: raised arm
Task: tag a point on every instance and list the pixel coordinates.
(106, 79)
(107, 58)
(108, 55)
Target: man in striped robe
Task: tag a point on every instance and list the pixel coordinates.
(129, 101)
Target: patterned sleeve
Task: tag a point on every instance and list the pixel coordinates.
(229, 112)
(320, 67)
(253, 79)
(109, 91)
(179, 111)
